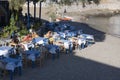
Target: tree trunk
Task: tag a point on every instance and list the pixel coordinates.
(83, 3)
(28, 16)
(34, 11)
(40, 11)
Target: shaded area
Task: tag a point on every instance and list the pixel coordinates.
(4, 13)
(71, 67)
(108, 24)
(87, 29)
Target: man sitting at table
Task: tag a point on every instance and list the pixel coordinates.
(16, 54)
(66, 46)
(81, 43)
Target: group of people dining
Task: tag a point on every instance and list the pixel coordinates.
(34, 49)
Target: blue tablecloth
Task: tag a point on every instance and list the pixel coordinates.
(52, 48)
(6, 50)
(71, 34)
(28, 52)
(32, 54)
(40, 40)
(87, 36)
(61, 34)
(11, 63)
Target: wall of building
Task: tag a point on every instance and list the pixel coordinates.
(4, 17)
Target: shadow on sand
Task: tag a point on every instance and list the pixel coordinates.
(98, 35)
(87, 29)
(71, 67)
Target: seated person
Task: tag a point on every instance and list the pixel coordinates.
(15, 40)
(27, 38)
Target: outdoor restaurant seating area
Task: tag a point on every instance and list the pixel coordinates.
(32, 50)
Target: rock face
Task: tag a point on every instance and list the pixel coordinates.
(107, 1)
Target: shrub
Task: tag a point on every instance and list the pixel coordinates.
(53, 16)
(23, 32)
(36, 26)
(7, 31)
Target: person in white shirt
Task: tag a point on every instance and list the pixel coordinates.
(64, 36)
(30, 31)
(81, 43)
(66, 46)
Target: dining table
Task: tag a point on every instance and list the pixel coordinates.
(32, 55)
(6, 50)
(11, 64)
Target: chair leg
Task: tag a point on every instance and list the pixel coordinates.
(41, 62)
(25, 63)
(33, 64)
(53, 56)
(4, 74)
(11, 74)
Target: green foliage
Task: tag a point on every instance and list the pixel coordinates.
(12, 26)
(16, 4)
(23, 31)
(37, 25)
(65, 2)
(35, 1)
(16, 8)
(7, 31)
(69, 2)
(53, 16)
(96, 1)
